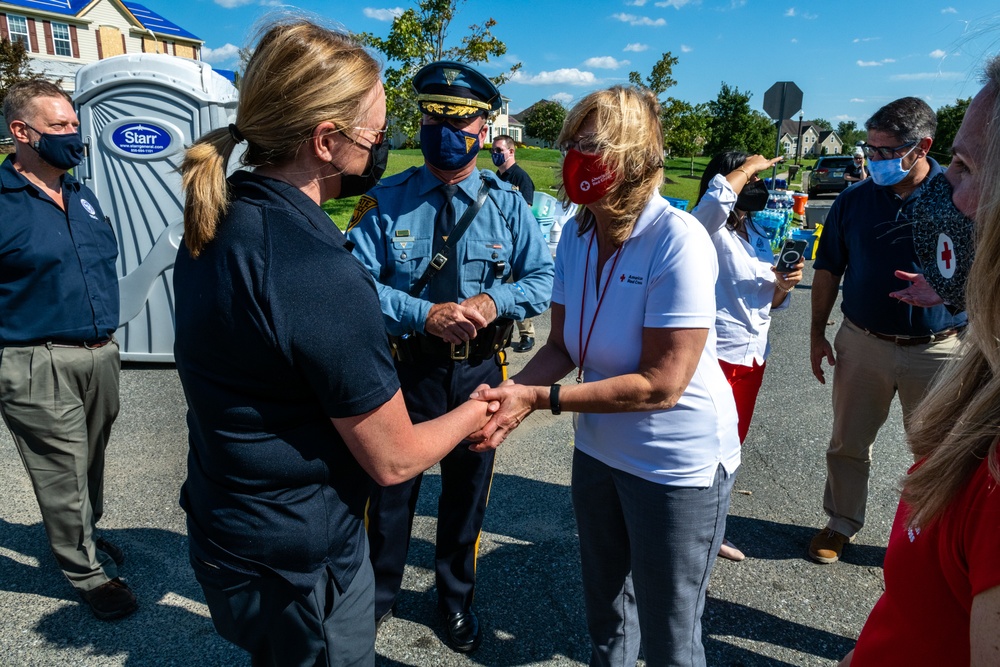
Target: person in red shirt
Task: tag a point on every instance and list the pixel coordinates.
(941, 603)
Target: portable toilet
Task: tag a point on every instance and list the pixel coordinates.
(137, 115)
(543, 207)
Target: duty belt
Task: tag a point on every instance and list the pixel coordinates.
(416, 347)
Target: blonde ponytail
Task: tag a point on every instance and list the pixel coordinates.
(206, 195)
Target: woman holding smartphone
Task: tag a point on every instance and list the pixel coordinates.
(748, 287)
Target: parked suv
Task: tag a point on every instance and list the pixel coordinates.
(828, 174)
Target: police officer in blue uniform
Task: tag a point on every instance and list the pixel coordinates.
(58, 311)
(457, 257)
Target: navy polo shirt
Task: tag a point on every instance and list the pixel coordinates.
(278, 330)
(57, 268)
(866, 237)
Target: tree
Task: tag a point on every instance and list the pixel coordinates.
(851, 134)
(14, 66)
(660, 79)
(823, 123)
(544, 120)
(949, 117)
(685, 128)
(417, 37)
(735, 126)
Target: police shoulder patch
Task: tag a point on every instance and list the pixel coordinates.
(365, 204)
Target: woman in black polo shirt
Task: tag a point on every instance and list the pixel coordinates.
(293, 403)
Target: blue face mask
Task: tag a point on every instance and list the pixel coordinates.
(448, 148)
(62, 151)
(498, 158)
(889, 172)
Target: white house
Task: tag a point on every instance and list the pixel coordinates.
(504, 123)
(63, 35)
(815, 140)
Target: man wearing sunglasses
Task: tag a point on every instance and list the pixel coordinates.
(884, 346)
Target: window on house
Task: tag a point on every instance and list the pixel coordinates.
(17, 26)
(60, 40)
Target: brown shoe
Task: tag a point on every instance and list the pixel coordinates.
(111, 600)
(827, 546)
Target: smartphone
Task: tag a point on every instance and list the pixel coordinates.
(790, 254)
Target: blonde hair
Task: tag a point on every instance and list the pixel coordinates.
(300, 75)
(630, 140)
(958, 423)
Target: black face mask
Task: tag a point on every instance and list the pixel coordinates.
(352, 185)
(62, 151)
(753, 197)
(944, 240)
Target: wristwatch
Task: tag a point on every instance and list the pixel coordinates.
(554, 399)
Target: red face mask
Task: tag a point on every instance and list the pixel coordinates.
(585, 177)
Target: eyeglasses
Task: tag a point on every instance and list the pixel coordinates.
(379, 134)
(587, 144)
(885, 152)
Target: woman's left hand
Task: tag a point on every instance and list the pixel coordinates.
(787, 281)
(516, 403)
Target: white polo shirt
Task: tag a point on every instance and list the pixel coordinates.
(746, 283)
(664, 278)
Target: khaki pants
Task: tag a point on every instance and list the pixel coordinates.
(869, 372)
(526, 327)
(59, 404)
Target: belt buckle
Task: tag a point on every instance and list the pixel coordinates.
(460, 353)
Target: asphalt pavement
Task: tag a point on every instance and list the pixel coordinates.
(774, 608)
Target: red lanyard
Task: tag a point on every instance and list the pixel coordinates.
(584, 345)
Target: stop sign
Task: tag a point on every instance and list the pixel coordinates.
(782, 100)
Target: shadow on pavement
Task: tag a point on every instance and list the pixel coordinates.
(759, 538)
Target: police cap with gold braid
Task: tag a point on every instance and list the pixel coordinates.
(448, 89)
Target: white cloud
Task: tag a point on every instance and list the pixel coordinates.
(635, 3)
(857, 99)
(233, 4)
(926, 76)
(383, 14)
(676, 4)
(790, 11)
(888, 60)
(686, 49)
(794, 40)
(562, 98)
(570, 76)
(938, 53)
(636, 47)
(949, 10)
(875, 63)
(843, 116)
(222, 54)
(604, 62)
(634, 20)
(865, 39)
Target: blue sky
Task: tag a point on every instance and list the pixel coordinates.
(848, 57)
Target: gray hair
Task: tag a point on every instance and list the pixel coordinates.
(908, 119)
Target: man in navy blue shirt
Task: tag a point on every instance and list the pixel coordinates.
(59, 299)
(884, 345)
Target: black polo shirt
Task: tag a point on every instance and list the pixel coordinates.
(57, 268)
(278, 330)
(866, 237)
(519, 178)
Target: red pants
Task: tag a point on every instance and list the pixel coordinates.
(745, 381)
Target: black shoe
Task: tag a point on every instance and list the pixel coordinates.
(385, 617)
(111, 600)
(464, 635)
(523, 345)
(117, 555)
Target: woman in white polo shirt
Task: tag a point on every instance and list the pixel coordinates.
(633, 309)
(748, 288)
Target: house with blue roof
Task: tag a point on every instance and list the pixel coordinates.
(64, 35)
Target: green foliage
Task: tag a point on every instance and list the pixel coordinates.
(735, 126)
(685, 128)
(851, 134)
(14, 66)
(949, 117)
(544, 121)
(660, 78)
(417, 37)
(823, 123)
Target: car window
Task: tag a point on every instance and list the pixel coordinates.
(835, 162)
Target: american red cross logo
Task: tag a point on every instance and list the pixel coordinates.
(946, 256)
